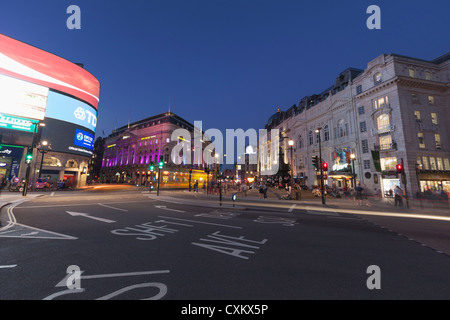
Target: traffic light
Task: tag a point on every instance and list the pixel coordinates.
(152, 167)
(400, 169)
(29, 156)
(161, 163)
(325, 166)
(315, 162)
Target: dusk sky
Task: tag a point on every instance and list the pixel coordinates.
(228, 63)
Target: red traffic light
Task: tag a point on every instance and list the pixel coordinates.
(325, 166)
(400, 168)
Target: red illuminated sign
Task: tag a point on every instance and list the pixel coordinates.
(22, 61)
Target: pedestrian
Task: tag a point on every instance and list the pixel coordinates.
(265, 191)
(196, 186)
(261, 191)
(359, 194)
(398, 194)
(3, 183)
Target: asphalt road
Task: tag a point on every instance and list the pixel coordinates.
(131, 245)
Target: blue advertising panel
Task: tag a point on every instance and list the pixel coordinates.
(84, 139)
(65, 108)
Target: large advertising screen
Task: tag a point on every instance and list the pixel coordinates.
(65, 108)
(22, 61)
(22, 99)
(68, 137)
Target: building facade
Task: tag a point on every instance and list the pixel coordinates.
(48, 110)
(129, 151)
(392, 112)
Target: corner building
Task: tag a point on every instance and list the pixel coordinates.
(395, 111)
(48, 107)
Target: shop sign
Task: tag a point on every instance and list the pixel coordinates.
(16, 123)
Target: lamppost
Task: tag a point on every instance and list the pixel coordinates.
(291, 144)
(44, 148)
(322, 186)
(353, 158)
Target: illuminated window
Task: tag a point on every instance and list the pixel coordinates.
(433, 163)
(377, 78)
(447, 164)
(383, 122)
(385, 142)
(388, 164)
(440, 164)
(421, 140)
(437, 139)
(417, 115)
(431, 100)
(428, 75)
(426, 165)
(412, 73)
(381, 102)
(434, 118)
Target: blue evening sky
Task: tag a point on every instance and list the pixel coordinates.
(229, 63)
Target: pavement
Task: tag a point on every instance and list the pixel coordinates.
(307, 198)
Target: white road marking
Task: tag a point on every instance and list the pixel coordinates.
(106, 206)
(86, 215)
(8, 267)
(52, 194)
(50, 235)
(63, 282)
(292, 208)
(165, 208)
(201, 222)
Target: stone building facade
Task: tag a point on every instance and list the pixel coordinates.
(395, 111)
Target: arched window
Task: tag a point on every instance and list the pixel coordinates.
(383, 122)
(71, 164)
(51, 162)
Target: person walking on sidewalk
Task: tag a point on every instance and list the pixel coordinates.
(398, 196)
(359, 194)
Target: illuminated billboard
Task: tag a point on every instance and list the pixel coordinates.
(65, 108)
(22, 99)
(16, 123)
(68, 137)
(22, 61)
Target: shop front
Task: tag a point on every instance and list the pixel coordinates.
(10, 159)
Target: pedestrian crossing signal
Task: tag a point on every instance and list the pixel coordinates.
(29, 156)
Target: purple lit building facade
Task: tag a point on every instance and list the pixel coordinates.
(129, 150)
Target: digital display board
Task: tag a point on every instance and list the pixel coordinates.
(22, 99)
(22, 61)
(65, 108)
(68, 137)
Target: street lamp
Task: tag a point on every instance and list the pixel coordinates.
(322, 186)
(353, 158)
(291, 144)
(44, 148)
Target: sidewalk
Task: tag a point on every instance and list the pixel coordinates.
(7, 198)
(307, 198)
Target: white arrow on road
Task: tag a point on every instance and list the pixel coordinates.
(86, 215)
(165, 208)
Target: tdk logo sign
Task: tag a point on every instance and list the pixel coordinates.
(82, 114)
